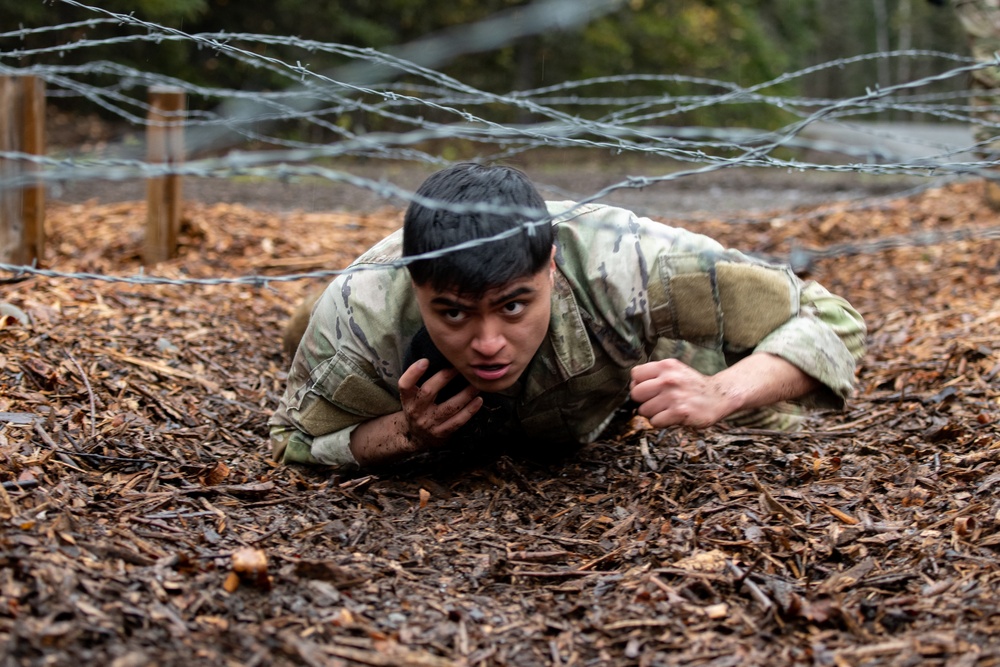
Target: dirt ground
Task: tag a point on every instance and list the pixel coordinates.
(144, 524)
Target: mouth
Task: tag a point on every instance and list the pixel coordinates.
(490, 372)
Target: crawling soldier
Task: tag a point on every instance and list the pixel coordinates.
(543, 332)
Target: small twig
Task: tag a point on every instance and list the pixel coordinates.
(178, 515)
(125, 459)
(164, 369)
(670, 591)
(47, 439)
(600, 559)
(647, 455)
(219, 554)
(22, 485)
(704, 577)
(154, 478)
(270, 533)
(750, 570)
(357, 482)
(158, 524)
(755, 592)
(558, 574)
(538, 556)
(66, 434)
(558, 539)
(72, 466)
(90, 392)
(774, 504)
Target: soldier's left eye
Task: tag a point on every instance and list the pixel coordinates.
(514, 307)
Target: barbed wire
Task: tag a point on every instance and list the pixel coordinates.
(399, 88)
(800, 259)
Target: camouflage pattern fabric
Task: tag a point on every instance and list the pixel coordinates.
(627, 290)
(981, 21)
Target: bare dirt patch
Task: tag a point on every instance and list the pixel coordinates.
(135, 480)
(735, 190)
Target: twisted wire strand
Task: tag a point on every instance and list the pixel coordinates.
(415, 97)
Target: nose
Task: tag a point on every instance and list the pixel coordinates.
(489, 339)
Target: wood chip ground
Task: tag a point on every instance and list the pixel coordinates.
(142, 522)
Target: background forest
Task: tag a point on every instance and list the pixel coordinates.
(744, 42)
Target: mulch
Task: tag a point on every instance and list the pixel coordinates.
(143, 522)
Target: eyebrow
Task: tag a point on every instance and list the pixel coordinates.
(503, 298)
(511, 295)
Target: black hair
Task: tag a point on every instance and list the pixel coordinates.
(482, 267)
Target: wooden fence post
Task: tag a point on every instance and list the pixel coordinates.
(22, 130)
(165, 144)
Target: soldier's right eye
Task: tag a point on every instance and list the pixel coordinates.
(453, 316)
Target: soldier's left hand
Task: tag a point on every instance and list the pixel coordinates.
(671, 393)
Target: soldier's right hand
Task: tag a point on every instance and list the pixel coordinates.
(431, 424)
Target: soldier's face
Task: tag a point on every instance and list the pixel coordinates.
(490, 340)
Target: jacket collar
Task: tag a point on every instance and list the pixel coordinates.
(566, 351)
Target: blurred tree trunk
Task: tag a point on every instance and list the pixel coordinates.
(528, 59)
(882, 42)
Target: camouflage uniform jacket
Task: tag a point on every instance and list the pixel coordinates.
(627, 290)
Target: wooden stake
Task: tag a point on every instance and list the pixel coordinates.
(165, 145)
(22, 130)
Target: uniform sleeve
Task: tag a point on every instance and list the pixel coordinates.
(724, 299)
(291, 445)
(655, 282)
(825, 339)
(343, 372)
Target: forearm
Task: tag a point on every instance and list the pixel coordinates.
(378, 441)
(759, 380)
(826, 341)
(382, 440)
(671, 393)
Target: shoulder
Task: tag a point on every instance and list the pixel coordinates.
(572, 214)
(589, 233)
(588, 227)
(373, 291)
(593, 221)
(379, 269)
(366, 313)
(386, 251)
(604, 229)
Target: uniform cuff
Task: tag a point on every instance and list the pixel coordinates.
(825, 358)
(334, 449)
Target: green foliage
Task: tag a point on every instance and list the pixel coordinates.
(745, 42)
(169, 11)
(725, 41)
(169, 57)
(37, 13)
